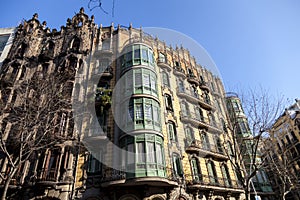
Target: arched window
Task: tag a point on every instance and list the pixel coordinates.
(219, 144)
(172, 131)
(185, 109)
(205, 141)
(199, 113)
(189, 135)
(165, 79)
(75, 44)
(21, 50)
(181, 86)
(177, 166)
(226, 175)
(213, 177)
(168, 101)
(195, 167)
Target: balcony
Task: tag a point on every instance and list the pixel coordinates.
(163, 63)
(192, 79)
(194, 97)
(178, 71)
(206, 150)
(49, 177)
(103, 72)
(206, 182)
(194, 119)
(203, 85)
(115, 177)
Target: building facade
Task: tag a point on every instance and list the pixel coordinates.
(281, 151)
(131, 118)
(260, 184)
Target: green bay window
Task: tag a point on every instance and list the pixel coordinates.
(137, 54)
(140, 81)
(144, 155)
(143, 113)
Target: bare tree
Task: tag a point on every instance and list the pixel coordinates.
(33, 112)
(278, 167)
(249, 123)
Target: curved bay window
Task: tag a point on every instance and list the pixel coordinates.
(140, 81)
(143, 155)
(137, 54)
(142, 113)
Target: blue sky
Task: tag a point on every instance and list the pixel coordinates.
(252, 42)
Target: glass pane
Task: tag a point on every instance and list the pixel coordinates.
(130, 154)
(141, 152)
(171, 131)
(146, 81)
(150, 152)
(145, 55)
(139, 111)
(138, 79)
(159, 159)
(153, 83)
(148, 112)
(155, 114)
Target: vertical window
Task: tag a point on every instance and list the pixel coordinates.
(205, 141)
(130, 154)
(168, 100)
(148, 112)
(181, 86)
(172, 131)
(94, 166)
(189, 135)
(150, 152)
(139, 114)
(219, 144)
(136, 54)
(199, 113)
(144, 54)
(226, 175)
(165, 79)
(161, 57)
(206, 97)
(159, 155)
(195, 169)
(184, 109)
(235, 106)
(177, 167)
(213, 178)
(141, 153)
(295, 139)
(106, 44)
(75, 44)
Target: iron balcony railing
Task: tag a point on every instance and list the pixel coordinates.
(200, 179)
(194, 97)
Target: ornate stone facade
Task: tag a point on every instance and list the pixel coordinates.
(172, 116)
